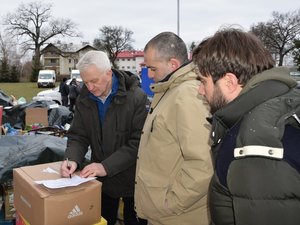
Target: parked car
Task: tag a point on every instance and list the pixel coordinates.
(50, 95)
(296, 76)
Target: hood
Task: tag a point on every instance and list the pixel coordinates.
(277, 74)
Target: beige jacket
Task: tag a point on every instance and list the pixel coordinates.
(174, 163)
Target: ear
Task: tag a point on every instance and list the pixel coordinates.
(109, 72)
(174, 64)
(232, 85)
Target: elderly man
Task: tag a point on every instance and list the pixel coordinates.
(109, 116)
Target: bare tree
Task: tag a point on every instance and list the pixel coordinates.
(34, 25)
(279, 33)
(113, 40)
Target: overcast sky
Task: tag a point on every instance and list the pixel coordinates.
(146, 18)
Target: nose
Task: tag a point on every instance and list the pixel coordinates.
(150, 74)
(89, 86)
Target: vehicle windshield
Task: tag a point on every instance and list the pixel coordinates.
(295, 75)
(45, 76)
(76, 75)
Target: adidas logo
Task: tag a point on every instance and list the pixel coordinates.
(75, 212)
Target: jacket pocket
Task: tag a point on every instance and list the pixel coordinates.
(151, 192)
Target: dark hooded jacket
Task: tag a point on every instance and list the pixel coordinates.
(257, 154)
(115, 142)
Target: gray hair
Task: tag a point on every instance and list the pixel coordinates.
(168, 45)
(96, 58)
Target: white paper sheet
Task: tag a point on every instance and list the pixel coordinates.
(64, 182)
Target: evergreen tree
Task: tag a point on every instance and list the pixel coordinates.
(14, 74)
(4, 71)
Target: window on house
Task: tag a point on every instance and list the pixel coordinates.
(70, 60)
(128, 59)
(53, 61)
(123, 67)
(123, 59)
(128, 67)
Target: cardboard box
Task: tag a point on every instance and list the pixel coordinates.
(36, 115)
(66, 206)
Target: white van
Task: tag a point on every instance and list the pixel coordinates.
(46, 78)
(75, 74)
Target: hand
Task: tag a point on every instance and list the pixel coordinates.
(93, 170)
(67, 170)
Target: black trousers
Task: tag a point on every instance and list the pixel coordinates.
(110, 208)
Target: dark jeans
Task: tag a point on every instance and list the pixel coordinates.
(72, 104)
(110, 208)
(64, 100)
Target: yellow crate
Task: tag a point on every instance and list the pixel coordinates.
(101, 222)
(21, 221)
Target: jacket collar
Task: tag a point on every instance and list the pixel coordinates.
(175, 78)
(263, 86)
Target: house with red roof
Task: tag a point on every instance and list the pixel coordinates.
(130, 60)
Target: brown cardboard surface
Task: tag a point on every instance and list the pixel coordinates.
(67, 206)
(36, 115)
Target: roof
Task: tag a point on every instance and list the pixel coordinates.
(67, 48)
(130, 54)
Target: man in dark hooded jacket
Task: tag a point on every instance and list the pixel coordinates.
(109, 117)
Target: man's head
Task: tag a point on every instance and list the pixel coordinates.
(163, 54)
(95, 71)
(226, 62)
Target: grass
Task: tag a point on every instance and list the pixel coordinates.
(18, 90)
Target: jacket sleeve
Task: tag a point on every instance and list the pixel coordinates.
(192, 133)
(125, 156)
(78, 141)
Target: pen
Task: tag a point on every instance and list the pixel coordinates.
(68, 166)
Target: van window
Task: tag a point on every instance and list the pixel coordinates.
(46, 76)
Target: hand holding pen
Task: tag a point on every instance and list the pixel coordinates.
(67, 168)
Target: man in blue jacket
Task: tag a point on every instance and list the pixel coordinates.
(109, 117)
(255, 131)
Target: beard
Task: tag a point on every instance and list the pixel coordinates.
(218, 100)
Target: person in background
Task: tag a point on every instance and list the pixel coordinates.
(64, 92)
(255, 131)
(74, 91)
(109, 116)
(174, 164)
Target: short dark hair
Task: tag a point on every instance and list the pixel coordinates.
(168, 45)
(232, 50)
(65, 79)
